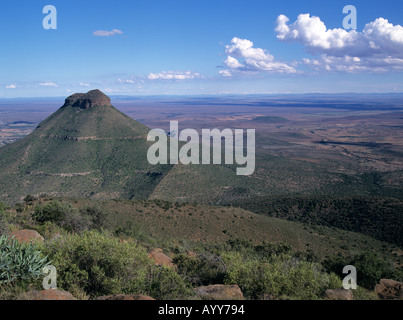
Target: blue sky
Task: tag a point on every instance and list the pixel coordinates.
(149, 47)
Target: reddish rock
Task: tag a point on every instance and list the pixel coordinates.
(389, 289)
(26, 236)
(161, 259)
(125, 297)
(219, 292)
(192, 254)
(339, 294)
(51, 294)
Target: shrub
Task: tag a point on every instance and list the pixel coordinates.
(29, 198)
(19, 262)
(54, 211)
(370, 266)
(96, 215)
(65, 216)
(2, 207)
(98, 264)
(3, 224)
(281, 276)
(133, 230)
(204, 269)
(165, 283)
(267, 249)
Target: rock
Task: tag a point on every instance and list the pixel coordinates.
(339, 294)
(87, 100)
(191, 254)
(161, 259)
(389, 289)
(51, 294)
(219, 292)
(125, 297)
(26, 236)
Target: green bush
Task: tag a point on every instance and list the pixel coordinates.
(165, 283)
(96, 215)
(3, 224)
(29, 198)
(204, 269)
(99, 264)
(69, 218)
(96, 264)
(131, 229)
(282, 276)
(267, 249)
(371, 267)
(19, 262)
(2, 207)
(54, 211)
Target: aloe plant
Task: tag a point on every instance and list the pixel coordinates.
(19, 261)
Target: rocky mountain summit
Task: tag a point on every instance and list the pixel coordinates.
(87, 100)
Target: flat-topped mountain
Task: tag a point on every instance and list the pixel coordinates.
(87, 148)
(90, 99)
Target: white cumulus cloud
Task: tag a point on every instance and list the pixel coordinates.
(105, 33)
(378, 47)
(242, 56)
(11, 86)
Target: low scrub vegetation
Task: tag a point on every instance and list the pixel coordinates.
(97, 254)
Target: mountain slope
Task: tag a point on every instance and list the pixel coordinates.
(85, 149)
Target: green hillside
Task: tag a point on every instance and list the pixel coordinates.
(82, 152)
(96, 245)
(378, 217)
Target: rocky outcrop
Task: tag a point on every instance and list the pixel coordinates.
(161, 259)
(389, 289)
(125, 297)
(51, 294)
(219, 292)
(87, 100)
(26, 236)
(339, 294)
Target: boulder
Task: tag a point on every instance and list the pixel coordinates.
(219, 292)
(389, 289)
(26, 236)
(161, 259)
(125, 297)
(51, 294)
(339, 294)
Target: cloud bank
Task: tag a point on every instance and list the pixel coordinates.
(378, 48)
